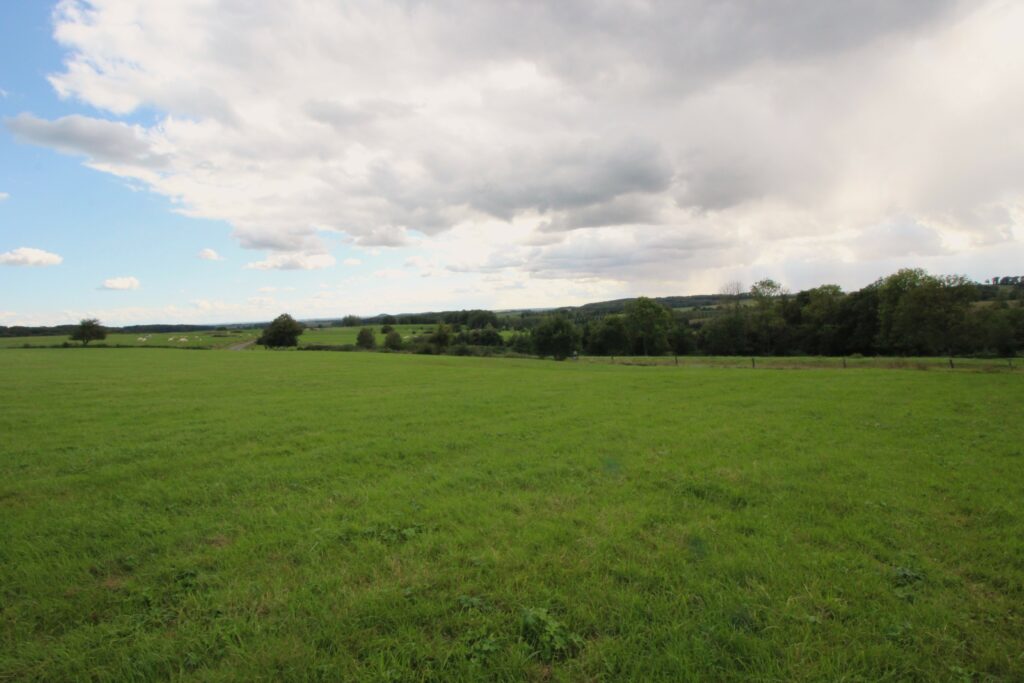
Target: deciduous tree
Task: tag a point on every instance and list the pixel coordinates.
(89, 330)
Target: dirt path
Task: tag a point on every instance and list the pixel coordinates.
(241, 346)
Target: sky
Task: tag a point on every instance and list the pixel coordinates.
(204, 161)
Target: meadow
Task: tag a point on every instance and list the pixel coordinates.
(391, 517)
(198, 339)
(338, 336)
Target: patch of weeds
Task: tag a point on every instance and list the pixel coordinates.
(698, 547)
(469, 603)
(186, 579)
(742, 619)
(389, 534)
(905, 580)
(481, 644)
(549, 638)
(902, 633)
(714, 493)
(902, 577)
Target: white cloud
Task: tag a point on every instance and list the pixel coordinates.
(121, 283)
(568, 149)
(293, 261)
(4, 196)
(210, 255)
(27, 256)
(351, 262)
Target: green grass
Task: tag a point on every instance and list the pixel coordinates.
(336, 336)
(816, 362)
(375, 517)
(203, 339)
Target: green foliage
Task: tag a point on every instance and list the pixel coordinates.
(283, 331)
(393, 340)
(610, 337)
(366, 339)
(441, 337)
(88, 330)
(648, 323)
(555, 337)
(549, 638)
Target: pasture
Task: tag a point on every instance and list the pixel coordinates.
(338, 336)
(388, 517)
(199, 339)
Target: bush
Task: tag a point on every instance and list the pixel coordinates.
(366, 339)
(393, 340)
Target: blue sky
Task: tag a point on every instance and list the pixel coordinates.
(384, 157)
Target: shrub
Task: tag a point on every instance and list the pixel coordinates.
(366, 339)
(393, 340)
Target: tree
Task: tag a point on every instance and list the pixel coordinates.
(768, 324)
(610, 338)
(555, 337)
(283, 331)
(478, 319)
(393, 340)
(442, 337)
(89, 330)
(366, 339)
(680, 338)
(385, 328)
(351, 321)
(648, 323)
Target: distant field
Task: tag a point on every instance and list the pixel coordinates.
(201, 339)
(385, 517)
(337, 336)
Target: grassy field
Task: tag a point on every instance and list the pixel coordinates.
(383, 517)
(336, 336)
(204, 339)
(816, 362)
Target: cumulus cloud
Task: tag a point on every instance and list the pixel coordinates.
(27, 256)
(210, 255)
(4, 196)
(121, 283)
(293, 261)
(351, 262)
(657, 144)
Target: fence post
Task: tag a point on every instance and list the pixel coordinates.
(753, 364)
(844, 362)
(950, 363)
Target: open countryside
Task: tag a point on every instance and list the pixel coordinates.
(487, 342)
(240, 516)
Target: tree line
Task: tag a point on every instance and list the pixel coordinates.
(908, 313)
